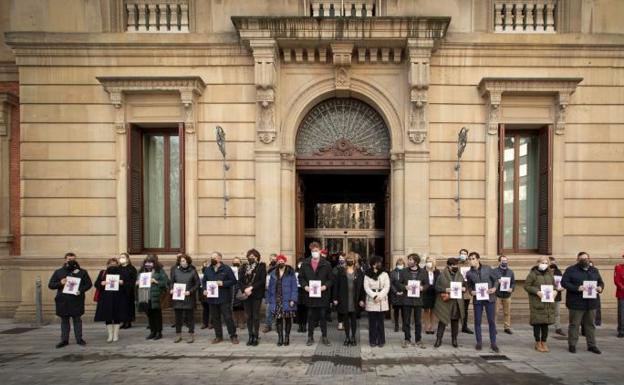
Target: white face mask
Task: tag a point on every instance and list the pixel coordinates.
(400, 267)
(429, 265)
(542, 266)
(316, 255)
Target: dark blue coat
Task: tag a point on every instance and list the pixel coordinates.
(573, 277)
(289, 290)
(225, 274)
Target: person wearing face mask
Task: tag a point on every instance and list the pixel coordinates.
(221, 307)
(618, 279)
(302, 308)
(446, 309)
(542, 314)
(396, 294)
(317, 269)
(554, 270)
(251, 279)
(429, 295)
(149, 298)
(480, 273)
(112, 305)
(349, 297)
(377, 287)
(282, 297)
(463, 262)
(268, 317)
(70, 305)
(413, 272)
(503, 270)
(340, 265)
(185, 273)
(130, 272)
(238, 309)
(582, 310)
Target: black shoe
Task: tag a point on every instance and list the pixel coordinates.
(325, 341)
(280, 341)
(81, 342)
(508, 331)
(158, 336)
(353, 342)
(62, 344)
(122, 326)
(560, 332)
(300, 329)
(250, 340)
(454, 342)
(494, 348)
(151, 336)
(287, 340)
(310, 341)
(438, 342)
(129, 325)
(594, 349)
(620, 335)
(478, 346)
(381, 345)
(396, 328)
(372, 345)
(347, 342)
(467, 330)
(572, 349)
(255, 341)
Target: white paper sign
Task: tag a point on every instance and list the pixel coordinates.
(464, 270)
(505, 284)
(235, 270)
(112, 282)
(71, 286)
(179, 290)
(268, 277)
(145, 280)
(315, 289)
(482, 291)
(558, 281)
(456, 290)
(589, 289)
(413, 288)
(548, 293)
(297, 277)
(212, 289)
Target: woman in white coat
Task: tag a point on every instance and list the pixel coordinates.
(377, 287)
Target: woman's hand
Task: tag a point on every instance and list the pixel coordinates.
(362, 304)
(540, 294)
(248, 290)
(187, 293)
(103, 283)
(154, 281)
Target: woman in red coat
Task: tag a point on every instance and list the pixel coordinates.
(618, 278)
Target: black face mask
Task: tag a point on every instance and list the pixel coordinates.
(454, 269)
(350, 263)
(251, 260)
(112, 270)
(236, 265)
(553, 266)
(72, 265)
(584, 263)
(213, 262)
(272, 263)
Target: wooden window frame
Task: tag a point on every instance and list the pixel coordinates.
(136, 216)
(544, 207)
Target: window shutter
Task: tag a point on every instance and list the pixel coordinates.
(182, 140)
(544, 223)
(135, 190)
(501, 164)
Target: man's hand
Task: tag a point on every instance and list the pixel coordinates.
(492, 290)
(248, 291)
(63, 281)
(219, 283)
(323, 288)
(307, 288)
(540, 294)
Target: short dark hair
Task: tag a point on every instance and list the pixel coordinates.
(374, 260)
(314, 244)
(154, 259)
(460, 251)
(581, 253)
(501, 257)
(475, 254)
(452, 261)
(253, 252)
(112, 260)
(69, 254)
(551, 259)
(185, 256)
(415, 257)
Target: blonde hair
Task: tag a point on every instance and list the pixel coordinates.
(401, 260)
(431, 259)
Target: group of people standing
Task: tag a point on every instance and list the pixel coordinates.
(415, 290)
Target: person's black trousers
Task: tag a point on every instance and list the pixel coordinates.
(376, 333)
(65, 328)
(219, 312)
(252, 310)
(154, 317)
(184, 317)
(317, 315)
(407, 317)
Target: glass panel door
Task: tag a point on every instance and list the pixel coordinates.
(358, 245)
(334, 245)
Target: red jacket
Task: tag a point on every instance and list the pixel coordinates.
(618, 278)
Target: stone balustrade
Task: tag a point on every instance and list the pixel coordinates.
(167, 16)
(537, 16)
(355, 8)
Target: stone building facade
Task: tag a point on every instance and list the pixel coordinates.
(109, 140)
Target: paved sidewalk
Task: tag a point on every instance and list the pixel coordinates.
(30, 358)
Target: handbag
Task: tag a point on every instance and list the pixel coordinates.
(240, 294)
(96, 295)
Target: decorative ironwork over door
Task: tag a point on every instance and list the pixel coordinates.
(343, 133)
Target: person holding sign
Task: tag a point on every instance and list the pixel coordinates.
(413, 281)
(316, 275)
(507, 284)
(483, 282)
(251, 280)
(282, 298)
(429, 295)
(449, 306)
(70, 305)
(185, 276)
(112, 305)
(148, 298)
(557, 274)
(130, 274)
(618, 279)
(541, 303)
(377, 287)
(581, 305)
(222, 276)
(396, 295)
(464, 267)
(349, 296)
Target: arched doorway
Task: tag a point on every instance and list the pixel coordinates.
(342, 154)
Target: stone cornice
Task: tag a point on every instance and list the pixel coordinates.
(194, 84)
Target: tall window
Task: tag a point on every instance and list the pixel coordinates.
(156, 190)
(525, 186)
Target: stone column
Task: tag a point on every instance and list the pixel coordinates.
(188, 98)
(398, 205)
(288, 206)
(7, 101)
(121, 150)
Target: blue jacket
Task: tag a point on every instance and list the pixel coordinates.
(573, 277)
(289, 290)
(225, 274)
(482, 274)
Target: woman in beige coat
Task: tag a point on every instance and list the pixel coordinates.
(377, 287)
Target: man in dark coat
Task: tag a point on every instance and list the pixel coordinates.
(480, 273)
(221, 307)
(316, 269)
(582, 310)
(412, 304)
(504, 296)
(70, 305)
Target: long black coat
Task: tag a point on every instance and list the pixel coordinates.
(68, 305)
(573, 277)
(324, 274)
(417, 275)
(256, 280)
(130, 272)
(395, 299)
(189, 277)
(341, 290)
(113, 305)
